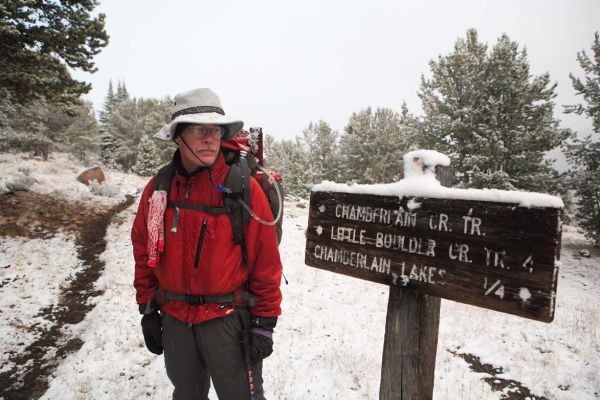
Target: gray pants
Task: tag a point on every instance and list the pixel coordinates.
(213, 349)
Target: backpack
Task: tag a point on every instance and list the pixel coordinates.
(243, 154)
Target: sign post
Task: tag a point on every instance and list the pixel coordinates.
(411, 335)
(486, 249)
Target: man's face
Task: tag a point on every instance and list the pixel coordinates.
(204, 142)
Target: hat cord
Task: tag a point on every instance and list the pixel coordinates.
(242, 202)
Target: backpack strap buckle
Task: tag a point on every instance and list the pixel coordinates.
(194, 300)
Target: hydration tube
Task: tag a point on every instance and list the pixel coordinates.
(242, 202)
(279, 197)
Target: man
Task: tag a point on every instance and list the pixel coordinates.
(218, 300)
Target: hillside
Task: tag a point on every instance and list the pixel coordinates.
(70, 327)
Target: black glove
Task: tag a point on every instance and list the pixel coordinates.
(261, 338)
(152, 330)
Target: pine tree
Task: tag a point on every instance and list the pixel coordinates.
(492, 118)
(320, 145)
(584, 154)
(39, 127)
(7, 110)
(289, 158)
(131, 119)
(584, 177)
(295, 168)
(591, 88)
(107, 148)
(122, 93)
(82, 135)
(125, 127)
(115, 150)
(273, 153)
(148, 159)
(40, 41)
(109, 105)
(268, 149)
(373, 145)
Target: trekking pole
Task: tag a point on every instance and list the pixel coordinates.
(246, 342)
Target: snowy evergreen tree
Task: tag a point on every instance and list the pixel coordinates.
(273, 153)
(131, 119)
(269, 149)
(109, 105)
(289, 158)
(122, 94)
(373, 146)
(35, 126)
(39, 140)
(320, 145)
(41, 127)
(295, 168)
(584, 154)
(82, 136)
(148, 159)
(492, 118)
(584, 177)
(370, 151)
(41, 41)
(590, 89)
(109, 137)
(7, 109)
(107, 148)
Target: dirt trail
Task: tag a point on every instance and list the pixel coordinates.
(512, 390)
(37, 216)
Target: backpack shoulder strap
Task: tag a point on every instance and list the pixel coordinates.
(237, 183)
(164, 176)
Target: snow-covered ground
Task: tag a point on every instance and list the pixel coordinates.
(329, 340)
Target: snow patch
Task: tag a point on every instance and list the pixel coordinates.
(420, 182)
(524, 294)
(57, 177)
(422, 163)
(32, 274)
(413, 204)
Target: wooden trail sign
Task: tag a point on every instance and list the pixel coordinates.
(476, 248)
(494, 255)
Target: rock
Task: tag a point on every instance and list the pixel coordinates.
(19, 182)
(90, 174)
(584, 253)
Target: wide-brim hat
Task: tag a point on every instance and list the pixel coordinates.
(199, 106)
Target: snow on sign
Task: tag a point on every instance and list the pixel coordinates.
(485, 249)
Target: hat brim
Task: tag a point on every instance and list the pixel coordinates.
(232, 126)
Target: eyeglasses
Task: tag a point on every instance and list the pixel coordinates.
(201, 132)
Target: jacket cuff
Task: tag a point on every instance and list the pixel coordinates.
(262, 332)
(264, 322)
(147, 308)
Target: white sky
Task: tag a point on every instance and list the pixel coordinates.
(282, 64)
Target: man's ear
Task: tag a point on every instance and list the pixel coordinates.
(177, 141)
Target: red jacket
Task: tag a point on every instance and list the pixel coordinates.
(220, 269)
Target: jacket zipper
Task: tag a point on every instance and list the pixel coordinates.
(200, 240)
(175, 221)
(188, 189)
